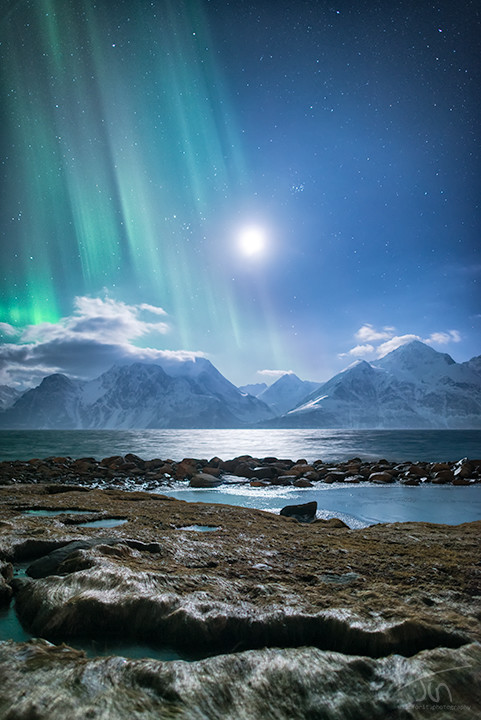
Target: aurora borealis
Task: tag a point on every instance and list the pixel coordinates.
(139, 140)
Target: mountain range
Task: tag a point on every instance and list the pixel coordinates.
(413, 386)
(188, 393)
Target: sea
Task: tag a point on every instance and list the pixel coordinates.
(327, 445)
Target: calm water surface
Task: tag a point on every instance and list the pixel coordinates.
(328, 445)
(358, 505)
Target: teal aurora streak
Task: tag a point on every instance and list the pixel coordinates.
(121, 140)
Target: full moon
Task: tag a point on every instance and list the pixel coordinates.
(252, 241)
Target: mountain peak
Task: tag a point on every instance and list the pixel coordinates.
(415, 361)
(56, 380)
(288, 379)
(416, 351)
(287, 392)
(358, 364)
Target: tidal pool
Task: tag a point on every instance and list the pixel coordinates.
(11, 629)
(103, 523)
(200, 528)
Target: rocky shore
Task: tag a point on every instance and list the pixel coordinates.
(132, 471)
(294, 620)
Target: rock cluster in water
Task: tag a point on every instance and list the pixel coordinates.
(301, 620)
(132, 471)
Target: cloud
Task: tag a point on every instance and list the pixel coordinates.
(368, 334)
(442, 338)
(359, 351)
(394, 343)
(372, 347)
(8, 330)
(101, 319)
(99, 333)
(153, 309)
(276, 374)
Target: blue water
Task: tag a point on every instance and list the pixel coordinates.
(200, 528)
(11, 629)
(358, 505)
(327, 445)
(105, 523)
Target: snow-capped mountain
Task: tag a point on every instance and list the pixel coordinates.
(287, 392)
(55, 403)
(8, 395)
(411, 387)
(254, 389)
(212, 383)
(137, 396)
(414, 386)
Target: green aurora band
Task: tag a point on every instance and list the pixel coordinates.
(120, 145)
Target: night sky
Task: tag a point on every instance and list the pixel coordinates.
(276, 185)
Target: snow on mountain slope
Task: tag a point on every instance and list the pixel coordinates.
(416, 362)
(360, 396)
(253, 389)
(287, 392)
(411, 387)
(55, 403)
(246, 408)
(8, 395)
(144, 396)
(137, 396)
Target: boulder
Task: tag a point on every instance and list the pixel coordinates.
(408, 480)
(439, 467)
(204, 480)
(381, 477)
(215, 471)
(305, 513)
(417, 469)
(186, 469)
(131, 458)
(243, 469)
(335, 476)
(461, 481)
(264, 472)
(442, 477)
(354, 479)
(283, 480)
(300, 469)
(302, 483)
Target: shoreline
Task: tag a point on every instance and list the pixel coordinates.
(133, 472)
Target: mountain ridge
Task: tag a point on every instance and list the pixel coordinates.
(413, 386)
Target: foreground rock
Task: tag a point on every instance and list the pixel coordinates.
(377, 610)
(303, 513)
(270, 684)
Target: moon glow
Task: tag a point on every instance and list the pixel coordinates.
(252, 241)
